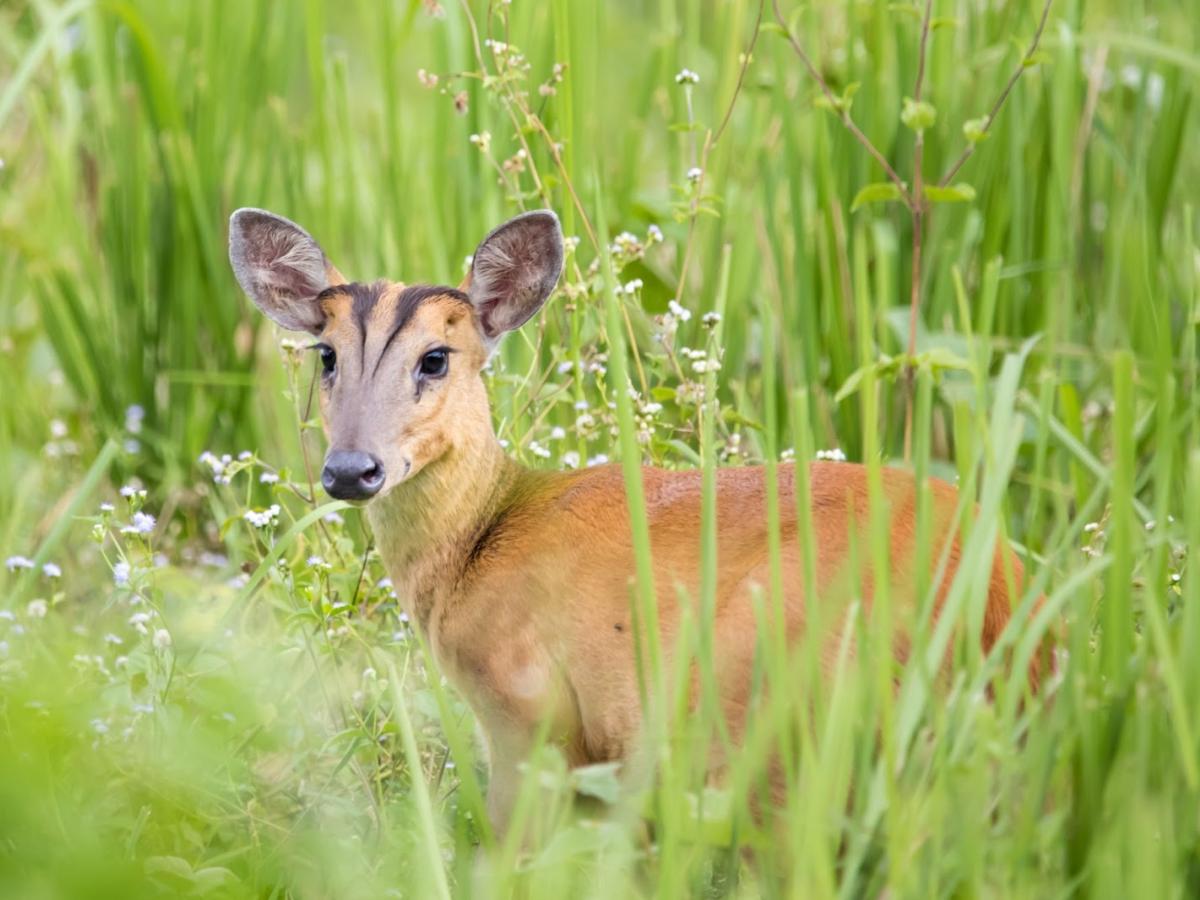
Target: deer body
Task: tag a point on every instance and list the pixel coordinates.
(520, 579)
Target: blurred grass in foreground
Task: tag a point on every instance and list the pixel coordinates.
(201, 705)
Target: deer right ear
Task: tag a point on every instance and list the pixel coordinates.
(281, 268)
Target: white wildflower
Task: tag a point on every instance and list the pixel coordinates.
(37, 609)
(654, 235)
(680, 312)
(121, 572)
(598, 460)
(268, 478)
(538, 450)
(710, 319)
(18, 562)
(571, 459)
(263, 518)
(687, 76)
(133, 418)
(483, 141)
(833, 455)
(557, 433)
(633, 286)
(694, 174)
(162, 639)
(142, 523)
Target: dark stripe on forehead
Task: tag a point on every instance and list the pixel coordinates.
(412, 297)
(409, 302)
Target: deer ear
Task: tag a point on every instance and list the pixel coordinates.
(513, 272)
(281, 268)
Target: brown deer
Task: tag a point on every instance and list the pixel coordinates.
(519, 578)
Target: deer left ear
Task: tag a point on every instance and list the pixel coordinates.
(513, 272)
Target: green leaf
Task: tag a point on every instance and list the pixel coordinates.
(842, 103)
(599, 781)
(876, 192)
(975, 130)
(918, 114)
(954, 193)
(942, 358)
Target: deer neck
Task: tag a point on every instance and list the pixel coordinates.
(427, 526)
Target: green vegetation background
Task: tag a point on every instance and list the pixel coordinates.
(197, 704)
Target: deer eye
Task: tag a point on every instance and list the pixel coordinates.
(435, 363)
(328, 358)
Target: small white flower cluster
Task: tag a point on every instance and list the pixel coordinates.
(13, 563)
(710, 320)
(121, 573)
(507, 56)
(550, 87)
(694, 174)
(133, 493)
(60, 445)
(632, 287)
(266, 518)
(482, 140)
(645, 419)
(141, 523)
(733, 447)
(427, 79)
(833, 455)
(687, 77)
(538, 450)
(702, 363)
(788, 455)
(133, 425)
(217, 464)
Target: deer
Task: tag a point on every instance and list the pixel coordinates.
(519, 578)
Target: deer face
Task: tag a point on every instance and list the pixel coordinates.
(400, 363)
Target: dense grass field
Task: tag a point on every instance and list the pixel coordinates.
(207, 685)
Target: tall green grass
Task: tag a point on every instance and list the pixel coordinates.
(291, 737)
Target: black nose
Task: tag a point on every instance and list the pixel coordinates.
(352, 475)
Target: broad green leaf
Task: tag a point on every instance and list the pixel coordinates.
(876, 192)
(954, 193)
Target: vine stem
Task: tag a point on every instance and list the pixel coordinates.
(995, 110)
(843, 114)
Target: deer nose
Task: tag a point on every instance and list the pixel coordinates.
(352, 475)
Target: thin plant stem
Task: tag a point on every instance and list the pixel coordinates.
(1012, 81)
